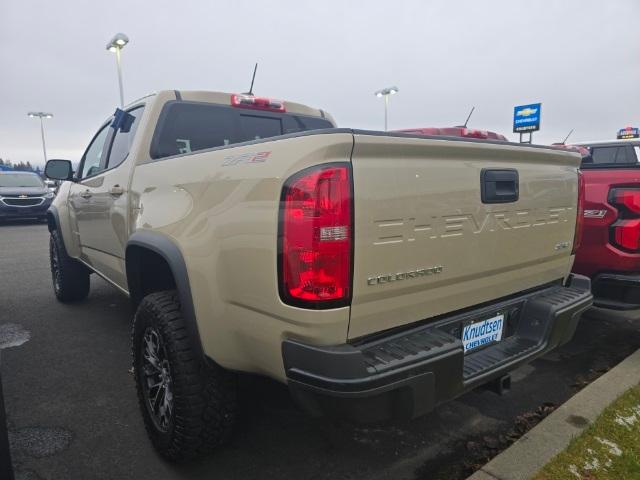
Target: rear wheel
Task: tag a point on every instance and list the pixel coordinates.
(188, 404)
(70, 277)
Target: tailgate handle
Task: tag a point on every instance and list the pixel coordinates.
(499, 185)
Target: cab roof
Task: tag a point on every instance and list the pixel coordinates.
(618, 141)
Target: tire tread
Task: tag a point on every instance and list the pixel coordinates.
(205, 399)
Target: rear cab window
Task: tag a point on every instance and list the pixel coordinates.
(185, 127)
(611, 155)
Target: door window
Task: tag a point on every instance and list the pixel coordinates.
(123, 139)
(91, 162)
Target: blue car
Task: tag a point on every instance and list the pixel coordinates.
(23, 195)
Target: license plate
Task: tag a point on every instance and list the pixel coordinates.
(478, 334)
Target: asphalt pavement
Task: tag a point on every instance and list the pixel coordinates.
(73, 414)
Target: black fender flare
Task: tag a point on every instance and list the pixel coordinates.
(53, 219)
(169, 251)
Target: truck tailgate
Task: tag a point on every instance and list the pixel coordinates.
(427, 244)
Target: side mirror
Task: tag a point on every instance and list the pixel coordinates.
(59, 170)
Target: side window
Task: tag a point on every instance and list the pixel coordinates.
(93, 155)
(122, 140)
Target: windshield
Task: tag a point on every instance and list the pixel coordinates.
(20, 180)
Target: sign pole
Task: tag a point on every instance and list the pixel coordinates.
(522, 140)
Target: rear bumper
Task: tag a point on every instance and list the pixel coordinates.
(406, 374)
(618, 291)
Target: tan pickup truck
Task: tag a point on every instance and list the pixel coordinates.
(376, 274)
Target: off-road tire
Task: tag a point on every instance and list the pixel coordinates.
(204, 394)
(70, 277)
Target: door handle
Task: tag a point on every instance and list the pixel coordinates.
(116, 190)
(85, 194)
(499, 185)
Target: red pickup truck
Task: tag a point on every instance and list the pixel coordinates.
(610, 248)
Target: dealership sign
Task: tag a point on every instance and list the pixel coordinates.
(526, 118)
(628, 132)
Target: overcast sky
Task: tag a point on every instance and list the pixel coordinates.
(580, 58)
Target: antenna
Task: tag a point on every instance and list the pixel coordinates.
(253, 79)
(567, 137)
(468, 117)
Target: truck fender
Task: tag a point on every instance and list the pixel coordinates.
(54, 222)
(169, 251)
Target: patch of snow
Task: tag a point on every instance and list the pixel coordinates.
(626, 421)
(594, 464)
(613, 448)
(13, 335)
(574, 470)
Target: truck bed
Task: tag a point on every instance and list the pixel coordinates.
(424, 243)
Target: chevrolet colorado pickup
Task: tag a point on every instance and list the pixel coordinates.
(375, 274)
(609, 251)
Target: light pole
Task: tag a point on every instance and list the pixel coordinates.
(116, 44)
(41, 115)
(385, 92)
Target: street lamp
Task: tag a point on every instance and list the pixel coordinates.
(116, 44)
(385, 92)
(41, 115)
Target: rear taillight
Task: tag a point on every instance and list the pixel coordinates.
(316, 235)
(625, 232)
(628, 198)
(577, 239)
(257, 103)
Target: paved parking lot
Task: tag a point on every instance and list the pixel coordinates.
(73, 414)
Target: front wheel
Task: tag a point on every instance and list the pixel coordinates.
(70, 277)
(188, 403)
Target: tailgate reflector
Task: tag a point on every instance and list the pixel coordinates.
(315, 237)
